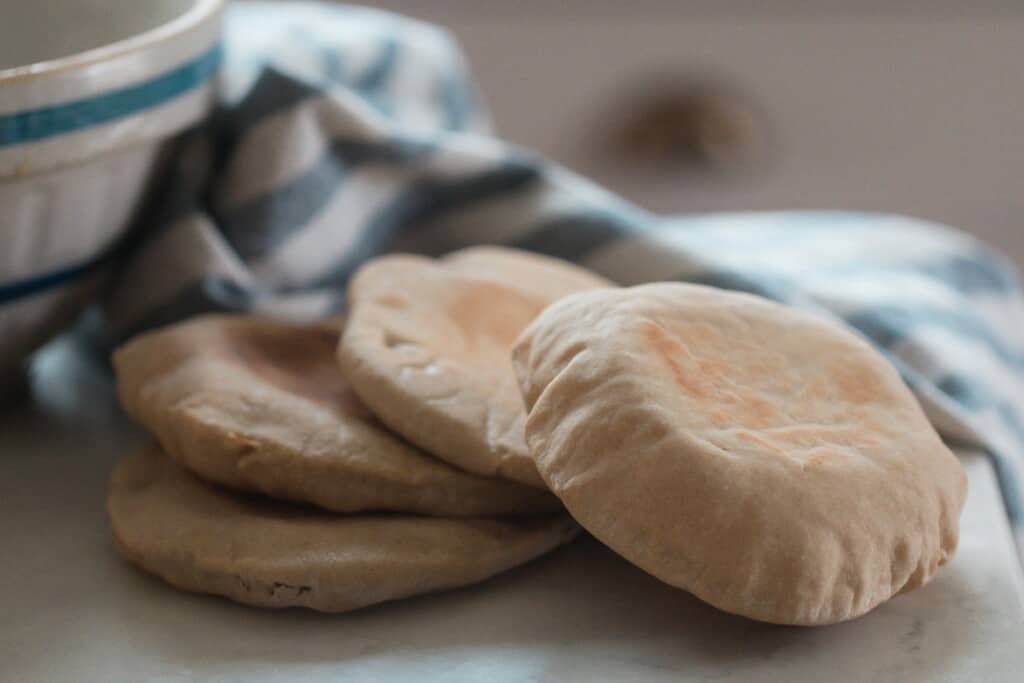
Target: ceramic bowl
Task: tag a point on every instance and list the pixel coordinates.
(92, 93)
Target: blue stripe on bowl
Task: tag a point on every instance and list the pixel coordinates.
(37, 124)
(19, 289)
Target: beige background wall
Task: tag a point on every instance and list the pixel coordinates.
(913, 107)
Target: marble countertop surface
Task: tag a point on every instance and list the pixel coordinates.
(73, 611)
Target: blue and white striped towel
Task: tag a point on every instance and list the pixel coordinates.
(348, 132)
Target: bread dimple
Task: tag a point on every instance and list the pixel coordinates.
(766, 460)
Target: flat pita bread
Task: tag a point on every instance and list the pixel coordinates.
(261, 406)
(768, 461)
(204, 539)
(427, 342)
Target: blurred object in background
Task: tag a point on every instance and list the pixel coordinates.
(910, 107)
(676, 123)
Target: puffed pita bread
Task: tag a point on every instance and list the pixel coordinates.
(261, 405)
(427, 347)
(205, 539)
(768, 461)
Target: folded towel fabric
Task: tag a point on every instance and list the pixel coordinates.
(346, 132)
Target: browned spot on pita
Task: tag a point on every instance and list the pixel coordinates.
(815, 390)
(713, 368)
(670, 350)
(856, 385)
(475, 313)
(756, 411)
(705, 379)
(392, 301)
(703, 334)
(823, 455)
(750, 437)
(720, 417)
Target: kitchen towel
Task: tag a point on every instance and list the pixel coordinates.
(346, 132)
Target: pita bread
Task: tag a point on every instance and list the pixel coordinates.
(262, 406)
(770, 462)
(543, 276)
(259, 552)
(427, 342)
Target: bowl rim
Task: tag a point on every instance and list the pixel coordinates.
(195, 15)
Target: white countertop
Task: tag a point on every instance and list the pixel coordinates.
(73, 611)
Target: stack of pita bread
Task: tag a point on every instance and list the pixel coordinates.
(470, 412)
